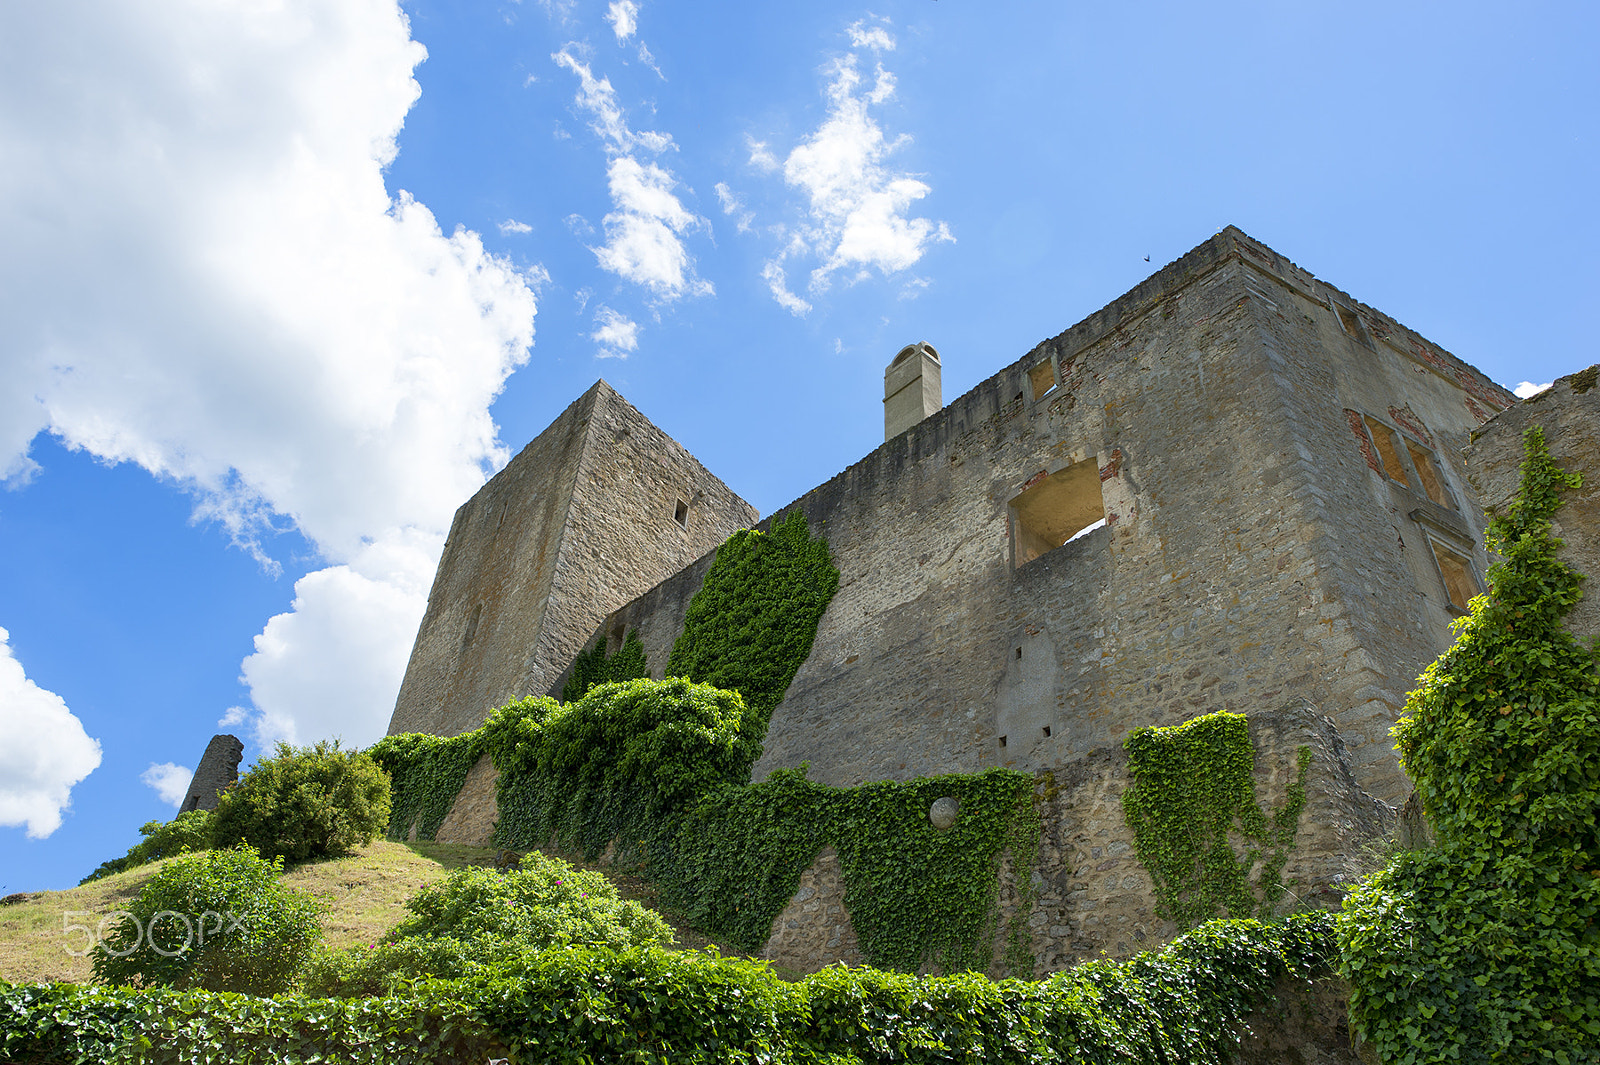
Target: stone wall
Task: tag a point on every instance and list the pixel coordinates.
(1569, 412)
(1251, 554)
(601, 506)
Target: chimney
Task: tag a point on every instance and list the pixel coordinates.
(910, 388)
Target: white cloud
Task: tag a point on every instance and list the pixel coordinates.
(1528, 388)
(778, 284)
(204, 273)
(624, 18)
(734, 208)
(170, 781)
(761, 156)
(617, 334)
(46, 751)
(857, 215)
(511, 225)
(876, 38)
(596, 96)
(644, 235)
(650, 61)
(332, 664)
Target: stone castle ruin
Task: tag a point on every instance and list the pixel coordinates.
(1233, 488)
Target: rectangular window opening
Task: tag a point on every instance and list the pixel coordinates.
(1060, 508)
(681, 514)
(1432, 483)
(1047, 732)
(1043, 378)
(1460, 583)
(1383, 438)
(1002, 741)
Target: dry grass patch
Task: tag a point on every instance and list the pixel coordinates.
(33, 946)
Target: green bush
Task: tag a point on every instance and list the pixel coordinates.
(1487, 948)
(218, 920)
(478, 920)
(162, 839)
(308, 802)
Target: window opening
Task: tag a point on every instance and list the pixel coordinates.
(1002, 741)
(1057, 509)
(1047, 732)
(1043, 378)
(1383, 438)
(1432, 483)
(472, 626)
(681, 514)
(1350, 322)
(1460, 583)
(1019, 654)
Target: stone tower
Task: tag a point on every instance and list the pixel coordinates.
(598, 508)
(219, 769)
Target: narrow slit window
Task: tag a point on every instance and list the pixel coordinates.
(1043, 378)
(1002, 741)
(1383, 438)
(1057, 509)
(472, 626)
(1047, 732)
(680, 514)
(1432, 483)
(1460, 583)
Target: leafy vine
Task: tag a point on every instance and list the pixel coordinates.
(1192, 792)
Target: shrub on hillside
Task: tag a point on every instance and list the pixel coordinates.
(478, 920)
(162, 839)
(307, 802)
(218, 920)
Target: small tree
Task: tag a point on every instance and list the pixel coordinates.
(308, 802)
(1487, 947)
(218, 920)
(189, 831)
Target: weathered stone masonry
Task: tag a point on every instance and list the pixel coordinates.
(1287, 523)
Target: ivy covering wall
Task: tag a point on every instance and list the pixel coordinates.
(594, 666)
(751, 625)
(1487, 947)
(1193, 795)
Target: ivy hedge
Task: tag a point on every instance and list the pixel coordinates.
(425, 775)
(1193, 791)
(1487, 947)
(1183, 1003)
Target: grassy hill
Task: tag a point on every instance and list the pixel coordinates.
(366, 893)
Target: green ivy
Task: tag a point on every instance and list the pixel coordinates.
(619, 764)
(425, 775)
(1487, 947)
(594, 667)
(751, 625)
(575, 1006)
(1192, 793)
(917, 896)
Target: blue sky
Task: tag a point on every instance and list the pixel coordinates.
(279, 292)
